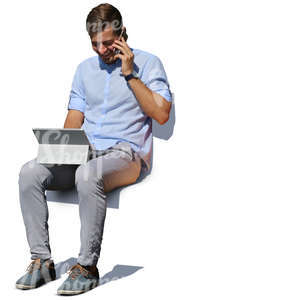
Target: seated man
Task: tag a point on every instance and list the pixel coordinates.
(114, 97)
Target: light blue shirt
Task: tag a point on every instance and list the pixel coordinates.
(111, 111)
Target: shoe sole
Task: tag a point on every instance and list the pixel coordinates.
(62, 292)
(71, 292)
(25, 287)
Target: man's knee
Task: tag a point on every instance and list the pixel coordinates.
(30, 174)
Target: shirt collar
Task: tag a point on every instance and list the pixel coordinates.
(109, 67)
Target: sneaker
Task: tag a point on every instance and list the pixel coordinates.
(38, 273)
(81, 279)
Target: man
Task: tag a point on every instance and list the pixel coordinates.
(114, 97)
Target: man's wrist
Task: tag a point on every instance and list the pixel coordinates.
(132, 75)
(127, 73)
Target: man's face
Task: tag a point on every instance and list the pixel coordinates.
(102, 45)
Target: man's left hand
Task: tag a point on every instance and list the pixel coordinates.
(126, 56)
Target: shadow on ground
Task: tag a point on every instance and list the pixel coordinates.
(118, 271)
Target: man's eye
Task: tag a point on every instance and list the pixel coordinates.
(106, 44)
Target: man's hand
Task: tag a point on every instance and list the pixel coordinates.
(126, 56)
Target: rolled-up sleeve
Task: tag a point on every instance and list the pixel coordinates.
(77, 94)
(155, 78)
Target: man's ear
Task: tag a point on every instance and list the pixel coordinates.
(125, 35)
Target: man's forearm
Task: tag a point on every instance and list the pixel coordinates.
(153, 104)
(74, 119)
(72, 124)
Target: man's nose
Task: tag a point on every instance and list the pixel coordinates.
(101, 48)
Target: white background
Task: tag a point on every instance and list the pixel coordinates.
(218, 218)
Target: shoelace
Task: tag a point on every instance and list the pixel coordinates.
(76, 270)
(34, 265)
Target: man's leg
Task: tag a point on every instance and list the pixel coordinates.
(34, 179)
(118, 166)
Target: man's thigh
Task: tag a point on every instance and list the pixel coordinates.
(116, 166)
(50, 176)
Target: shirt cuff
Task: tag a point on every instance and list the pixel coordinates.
(165, 93)
(77, 104)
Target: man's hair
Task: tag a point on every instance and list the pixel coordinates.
(102, 16)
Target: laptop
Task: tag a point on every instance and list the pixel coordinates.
(68, 146)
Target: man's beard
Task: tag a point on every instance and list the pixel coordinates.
(109, 60)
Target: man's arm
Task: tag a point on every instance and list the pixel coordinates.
(153, 104)
(74, 119)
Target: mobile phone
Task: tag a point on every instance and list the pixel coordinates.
(117, 51)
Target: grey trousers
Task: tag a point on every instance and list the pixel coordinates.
(106, 170)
